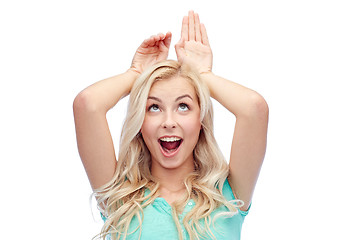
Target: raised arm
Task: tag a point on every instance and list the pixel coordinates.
(91, 105)
(249, 108)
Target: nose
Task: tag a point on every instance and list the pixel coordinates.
(169, 121)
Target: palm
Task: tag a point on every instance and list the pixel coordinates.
(151, 51)
(196, 54)
(193, 47)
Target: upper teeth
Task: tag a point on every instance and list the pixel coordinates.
(170, 139)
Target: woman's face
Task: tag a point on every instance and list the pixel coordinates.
(172, 123)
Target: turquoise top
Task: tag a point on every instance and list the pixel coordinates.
(158, 223)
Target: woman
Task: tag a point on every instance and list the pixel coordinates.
(171, 180)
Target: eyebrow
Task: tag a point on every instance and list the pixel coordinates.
(183, 96)
(177, 99)
(154, 98)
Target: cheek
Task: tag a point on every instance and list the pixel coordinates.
(192, 126)
(148, 129)
(145, 129)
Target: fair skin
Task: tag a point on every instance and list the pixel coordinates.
(250, 109)
(90, 106)
(172, 114)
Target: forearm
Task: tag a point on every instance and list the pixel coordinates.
(103, 95)
(239, 100)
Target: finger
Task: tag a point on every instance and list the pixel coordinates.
(158, 38)
(145, 43)
(161, 36)
(185, 34)
(197, 29)
(191, 26)
(168, 35)
(167, 40)
(179, 47)
(152, 40)
(205, 39)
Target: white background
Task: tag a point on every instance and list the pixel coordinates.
(291, 52)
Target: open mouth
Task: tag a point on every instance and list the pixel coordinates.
(170, 144)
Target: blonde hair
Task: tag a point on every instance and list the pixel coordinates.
(123, 197)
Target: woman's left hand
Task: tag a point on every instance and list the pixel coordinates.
(151, 51)
(193, 47)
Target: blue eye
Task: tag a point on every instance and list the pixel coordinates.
(183, 107)
(153, 108)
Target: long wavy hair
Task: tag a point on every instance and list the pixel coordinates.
(123, 198)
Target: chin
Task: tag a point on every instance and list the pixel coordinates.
(174, 163)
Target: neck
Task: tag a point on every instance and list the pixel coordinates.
(171, 180)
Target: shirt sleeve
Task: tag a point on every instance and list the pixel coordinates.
(229, 195)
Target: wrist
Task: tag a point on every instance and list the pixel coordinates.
(130, 75)
(207, 76)
(211, 80)
(133, 72)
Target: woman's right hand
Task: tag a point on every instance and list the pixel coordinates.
(151, 51)
(95, 142)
